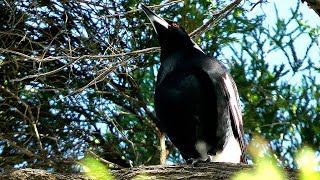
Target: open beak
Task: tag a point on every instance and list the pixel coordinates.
(157, 22)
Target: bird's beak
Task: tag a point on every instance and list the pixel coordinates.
(157, 22)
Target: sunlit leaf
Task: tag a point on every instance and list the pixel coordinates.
(265, 167)
(95, 169)
(308, 164)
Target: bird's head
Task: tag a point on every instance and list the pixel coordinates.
(170, 34)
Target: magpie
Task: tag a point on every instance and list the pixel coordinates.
(196, 98)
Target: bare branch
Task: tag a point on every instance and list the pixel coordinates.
(75, 59)
(23, 150)
(105, 73)
(259, 2)
(216, 18)
(31, 120)
(54, 58)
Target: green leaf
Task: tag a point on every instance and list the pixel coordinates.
(95, 169)
(266, 165)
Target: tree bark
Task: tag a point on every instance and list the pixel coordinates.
(313, 4)
(37, 174)
(172, 172)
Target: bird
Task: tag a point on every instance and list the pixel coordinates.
(196, 99)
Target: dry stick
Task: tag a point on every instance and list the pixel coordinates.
(163, 149)
(35, 128)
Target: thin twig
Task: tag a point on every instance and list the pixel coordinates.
(115, 125)
(259, 2)
(215, 16)
(31, 120)
(24, 150)
(19, 54)
(54, 58)
(44, 74)
(136, 10)
(100, 76)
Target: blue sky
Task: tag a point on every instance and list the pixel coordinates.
(283, 6)
(310, 18)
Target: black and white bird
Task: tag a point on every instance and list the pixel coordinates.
(196, 98)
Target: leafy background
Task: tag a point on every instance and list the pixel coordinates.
(72, 82)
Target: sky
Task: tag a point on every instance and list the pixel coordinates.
(310, 18)
(284, 6)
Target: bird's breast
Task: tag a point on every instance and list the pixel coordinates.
(178, 87)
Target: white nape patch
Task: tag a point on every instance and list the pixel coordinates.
(202, 147)
(158, 20)
(231, 153)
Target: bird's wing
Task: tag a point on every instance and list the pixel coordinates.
(216, 70)
(235, 111)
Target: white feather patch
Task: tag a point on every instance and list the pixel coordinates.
(231, 153)
(234, 100)
(196, 46)
(202, 147)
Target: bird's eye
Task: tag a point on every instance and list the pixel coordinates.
(175, 25)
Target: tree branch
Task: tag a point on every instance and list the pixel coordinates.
(202, 171)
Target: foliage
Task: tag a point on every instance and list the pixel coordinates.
(308, 164)
(267, 168)
(266, 165)
(95, 169)
(72, 81)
